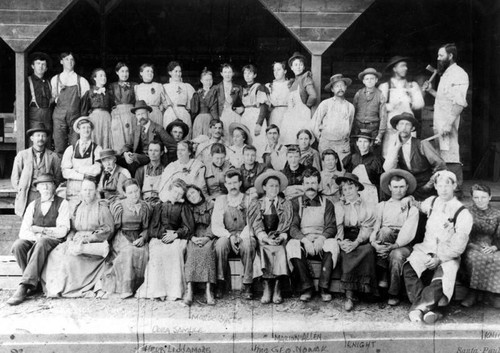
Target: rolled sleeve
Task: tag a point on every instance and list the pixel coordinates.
(218, 228)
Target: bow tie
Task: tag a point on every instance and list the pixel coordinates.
(124, 84)
(101, 90)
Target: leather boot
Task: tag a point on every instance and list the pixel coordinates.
(210, 298)
(188, 297)
(19, 296)
(277, 299)
(470, 299)
(306, 295)
(246, 291)
(220, 289)
(266, 296)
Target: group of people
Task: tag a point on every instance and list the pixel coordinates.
(159, 185)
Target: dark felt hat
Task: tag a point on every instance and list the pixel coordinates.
(105, 153)
(44, 178)
(394, 60)
(364, 134)
(404, 116)
(140, 104)
(369, 71)
(181, 124)
(296, 55)
(350, 177)
(336, 78)
(385, 179)
(39, 127)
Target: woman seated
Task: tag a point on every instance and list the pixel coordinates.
(171, 226)
(200, 261)
(241, 137)
(356, 262)
(125, 272)
(482, 256)
(270, 218)
(186, 167)
(309, 157)
(74, 268)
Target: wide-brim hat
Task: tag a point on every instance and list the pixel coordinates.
(44, 178)
(350, 177)
(243, 127)
(364, 134)
(386, 177)
(336, 78)
(181, 124)
(369, 71)
(81, 120)
(404, 116)
(394, 60)
(296, 55)
(105, 153)
(40, 56)
(266, 175)
(140, 104)
(37, 128)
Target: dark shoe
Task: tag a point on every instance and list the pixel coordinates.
(188, 297)
(277, 299)
(470, 299)
(348, 305)
(246, 292)
(19, 296)
(35, 290)
(306, 296)
(431, 317)
(220, 289)
(325, 296)
(393, 301)
(266, 296)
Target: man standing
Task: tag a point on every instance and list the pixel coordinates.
(450, 101)
(112, 179)
(29, 164)
(229, 219)
(45, 224)
(395, 228)
(415, 156)
(332, 121)
(431, 269)
(313, 232)
(149, 176)
(401, 96)
(40, 96)
(274, 154)
(67, 90)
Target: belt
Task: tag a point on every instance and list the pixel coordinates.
(280, 106)
(369, 122)
(180, 105)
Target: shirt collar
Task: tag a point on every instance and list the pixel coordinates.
(355, 202)
(146, 127)
(49, 200)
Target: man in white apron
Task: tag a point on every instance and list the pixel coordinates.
(450, 101)
(313, 234)
(332, 121)
(438, 256)
(149, 176)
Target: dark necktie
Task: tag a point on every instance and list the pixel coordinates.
(273, 208)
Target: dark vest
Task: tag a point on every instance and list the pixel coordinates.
(49, 220)
(368, 110)
(420, 166)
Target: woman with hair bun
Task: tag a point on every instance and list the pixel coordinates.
(152, 93)
(204, 105)
(278, 94)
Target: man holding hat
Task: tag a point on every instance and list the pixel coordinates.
(67, 90)
(132, 157)
(111, 182)
(369, 104)
(40, 94)
(413, 155)
(313, 232)
(332, 121)
(401, 96)
(46, 223)
(270, 218)
(394, 230)
(431, 269)
(31, 163)
(80, 159)
(178, 129)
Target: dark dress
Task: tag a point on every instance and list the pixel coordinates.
(123, 121)
(98, 106)
(483, 270)
(200, 262)
(204, 107)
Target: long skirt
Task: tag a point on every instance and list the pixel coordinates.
(249, 119)
(483, 270)
(276, 116)
(173, 113)
(123, 123)
(296, 118)
(125, 272)
(200, 263)
(101, 134)
(270, 261)
(156, 115)
(228, 117)
(164, 276)
(71, 276)
(358, 269)
(201, 125)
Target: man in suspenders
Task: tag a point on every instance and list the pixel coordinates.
(40, 95)
(67, 89)
(431, 269)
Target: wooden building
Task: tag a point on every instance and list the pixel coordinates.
(339, 35)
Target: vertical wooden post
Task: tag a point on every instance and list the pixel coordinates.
(21, 74)
(316, 73)
(102, 14)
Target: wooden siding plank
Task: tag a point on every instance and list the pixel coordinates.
(318, 5)
(296, 19)
(34, 4)
(318, 34)
(32, 17)
(21, 74)
(20, 31)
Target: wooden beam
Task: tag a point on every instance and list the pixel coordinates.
(317, 33)
(28, 16)
(319, 5)
(316, 74)
(33, 4)
(304, 19)
(21, 99)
